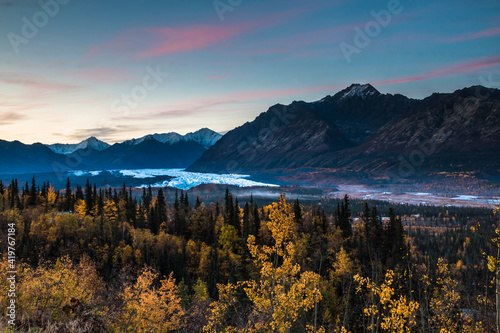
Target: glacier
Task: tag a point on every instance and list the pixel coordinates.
(182, 179)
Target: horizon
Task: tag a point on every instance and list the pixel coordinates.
(195, 65)
(218, 132)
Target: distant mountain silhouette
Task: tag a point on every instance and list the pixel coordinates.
(169, 150)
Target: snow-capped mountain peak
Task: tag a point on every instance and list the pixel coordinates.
(65, 149)
(206, 137)
(170, 138)
(358, 90)
(95, 143)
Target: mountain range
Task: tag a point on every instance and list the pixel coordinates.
(169, 150)
(362, 133)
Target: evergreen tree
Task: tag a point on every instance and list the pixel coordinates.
(79, 193)
(89, 201)
(186, 202)
(246, 222)
(256, 224)
(235, 218)
(343, 217)
(33, 193)
(161, 212)
(395, 243)
(213, 272)
(297, 210)
(210, 237)
(177, 215)
(68, 202)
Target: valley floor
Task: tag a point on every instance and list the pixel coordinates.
(395, 195)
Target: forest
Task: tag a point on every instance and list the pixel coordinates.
(128, 260)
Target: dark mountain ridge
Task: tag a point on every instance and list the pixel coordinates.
(360, 132)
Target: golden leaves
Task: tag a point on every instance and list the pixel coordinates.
(58, 292)
(394, 314)
(148, 309)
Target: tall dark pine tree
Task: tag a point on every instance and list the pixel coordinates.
(246, 222)
(228, 207)
(235, 218)
(68, 201)
(100, 202)
(33, 193)
(376, 229)
(186, 202)
(297, 210)
(161, 210)
(213, 272)
(256, 223)
(43, 192)
(14, 199)
(177, 214)
(395, 243)
(89, 201)
(343, 217)
(26, 191)
(79, 193)
(210, 235)
(371, 244)
(94, 196)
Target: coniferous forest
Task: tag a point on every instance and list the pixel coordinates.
(119, 260)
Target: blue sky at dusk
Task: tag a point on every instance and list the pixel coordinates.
(123, 69)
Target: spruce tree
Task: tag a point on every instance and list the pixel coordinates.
(68, 205)
(297, 210)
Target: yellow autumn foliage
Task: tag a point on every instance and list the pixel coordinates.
(394, 314)
(148, 309)
(58, 292)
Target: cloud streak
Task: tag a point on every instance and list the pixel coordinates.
(105, 133)
(104, 75)
(35, 83)
(147, 42)
(479, 64)
(476, 35)
(218, 77)
(7, 118)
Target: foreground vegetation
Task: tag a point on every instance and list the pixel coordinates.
(92, 260)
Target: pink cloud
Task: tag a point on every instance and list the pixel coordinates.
(9, 117)
(218, 77)
(104, 74)
(36, 83)
(158, 41)
(475, 35)
(174, 40)
(122, 43)
(474, 65)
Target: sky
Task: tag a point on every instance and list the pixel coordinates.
(121, 69)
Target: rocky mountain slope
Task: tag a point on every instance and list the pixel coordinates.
(360, 132)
